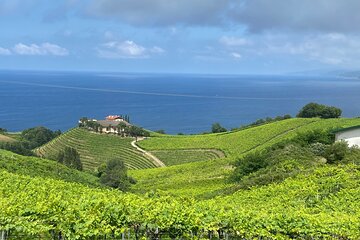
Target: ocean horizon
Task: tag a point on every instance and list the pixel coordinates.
(176, 103)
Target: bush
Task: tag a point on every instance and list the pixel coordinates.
(161, 131)
(217, 128)
(353, 156)
(319, 110)
(115, 175)
(324, 136)
(319, 149)
(249, 164)
(70, 157)
(273, 165)
(337, 152)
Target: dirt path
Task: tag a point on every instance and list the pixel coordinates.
(155, 160)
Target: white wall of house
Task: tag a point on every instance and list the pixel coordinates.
(111, 130)
(351, 136)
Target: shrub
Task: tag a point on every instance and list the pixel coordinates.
(161, 131)
(115, 175)
(319, 149)
(217, 128)
(273, 165)
(324, 136)
(249, 164)
(70, 157)
(337, 152)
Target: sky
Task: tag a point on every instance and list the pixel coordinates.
(180, 36)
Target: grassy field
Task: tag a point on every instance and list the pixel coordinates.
(202, 178)
(4, 138)
(39, 167)
(95, 149)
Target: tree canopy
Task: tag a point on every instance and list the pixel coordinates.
(217, 128)
(38, 136)
(319, 110)
(114, 174)
(70, 157)
(29, 139)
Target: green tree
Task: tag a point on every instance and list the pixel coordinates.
(319, 110)
(83, 121)
(38, 136)
(136, 132)
(3, 130)
(121, 128)
(70, 157)
(115, 175)
(217, 128)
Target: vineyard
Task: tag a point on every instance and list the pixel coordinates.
(181, 156)
(238, 142)
(36, 167)
(41, 199)
(95, 149)
(198, 179)
(324, 204)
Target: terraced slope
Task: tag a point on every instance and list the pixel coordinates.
(39, 167)
(231, 143)
(201, 178)
(180, 156)
(95, 149)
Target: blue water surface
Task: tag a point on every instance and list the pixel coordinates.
(173, 102)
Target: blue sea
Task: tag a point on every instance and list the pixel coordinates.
(173, 102)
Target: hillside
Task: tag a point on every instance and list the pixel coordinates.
(95, 149)
(309, 206)
(4, 138)
(204, 177)
(39, 167)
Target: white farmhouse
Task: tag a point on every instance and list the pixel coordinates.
(111, 124)
(351, 135)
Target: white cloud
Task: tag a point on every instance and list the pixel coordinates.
(236, 55)
(42, 49)
(157, 50)
(4, 51)
(332, 48)
(234, 41)
(126, 49)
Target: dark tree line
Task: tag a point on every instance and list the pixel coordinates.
(30, 139)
